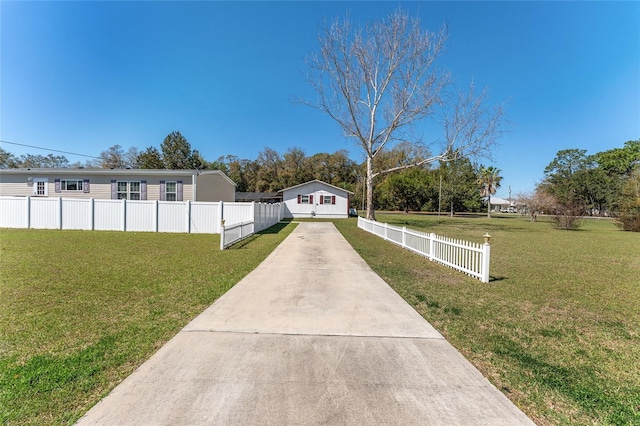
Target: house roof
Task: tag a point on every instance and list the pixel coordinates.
(316, 181)
(112, 172)
(497, 201)
(257, 196)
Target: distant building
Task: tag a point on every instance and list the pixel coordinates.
(316, 199)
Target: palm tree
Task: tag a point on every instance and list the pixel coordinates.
(489, 181)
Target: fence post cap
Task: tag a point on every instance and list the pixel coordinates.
(486, 237)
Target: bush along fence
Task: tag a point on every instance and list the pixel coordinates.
(264, 216)
(470, 258)
(132, 215)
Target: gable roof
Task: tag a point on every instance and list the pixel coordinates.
(113, 172)
(316, 181)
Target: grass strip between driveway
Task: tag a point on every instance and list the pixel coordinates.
(558, 327)
(80, 310)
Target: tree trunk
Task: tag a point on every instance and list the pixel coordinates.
(489, 206)
(370, 213)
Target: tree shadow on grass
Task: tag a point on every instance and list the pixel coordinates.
(275, 229)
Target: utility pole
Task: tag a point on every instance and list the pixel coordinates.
(509, 195)
(440, 194)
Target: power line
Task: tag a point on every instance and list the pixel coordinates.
(49, 149)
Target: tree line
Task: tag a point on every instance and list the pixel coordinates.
(603, 184)
(451, 186)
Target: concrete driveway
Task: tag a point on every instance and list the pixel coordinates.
(311, 336)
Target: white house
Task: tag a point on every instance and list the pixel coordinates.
(315, 199)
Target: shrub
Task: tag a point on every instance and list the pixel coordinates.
(629, 217)
(568, 216)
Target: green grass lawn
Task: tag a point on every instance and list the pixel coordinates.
(80, 310)
(558, 327)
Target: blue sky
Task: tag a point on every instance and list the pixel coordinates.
(83, 76)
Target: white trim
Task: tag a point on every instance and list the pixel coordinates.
(37, 180)
(81, 189)
(315, 181)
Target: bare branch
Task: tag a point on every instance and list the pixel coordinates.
(379, 80)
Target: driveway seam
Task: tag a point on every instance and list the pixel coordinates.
(313, 334)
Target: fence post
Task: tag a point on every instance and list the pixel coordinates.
(59, 212)
(156, 207)
(28, 212)
(220, 214)
(221, 233)
(93, 213)
(188, 218)
(124, 215)
(432, 246)
(253, 211)
(486, 255)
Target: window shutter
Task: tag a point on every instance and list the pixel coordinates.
(321, 199)
(299, 198)
(114, 190)
(163, 196)
(333, 199)
(57, 181)
(143, 190)
(85, 186)
(310, 199)
(179, 190)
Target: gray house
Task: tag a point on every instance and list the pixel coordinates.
(116, 184)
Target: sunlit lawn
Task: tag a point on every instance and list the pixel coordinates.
(80, 310)
(558, 327)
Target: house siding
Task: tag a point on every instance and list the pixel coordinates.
(16, 186)
(210, 185)
(214, 187)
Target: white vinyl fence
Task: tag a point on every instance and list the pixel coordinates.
(261, 217)
(129, 215)
(470, 258)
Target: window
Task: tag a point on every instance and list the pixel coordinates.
(171, 191)
(40, 187)
(128, 190)
(123, 190)
(134, 190)
(327, 199)
(305, 199)
(71, 185)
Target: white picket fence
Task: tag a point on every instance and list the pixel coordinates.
(470, 258)
(129, 215)
(263, 217)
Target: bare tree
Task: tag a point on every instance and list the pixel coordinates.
(112, 158)
(377, 81)
(536, 202)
